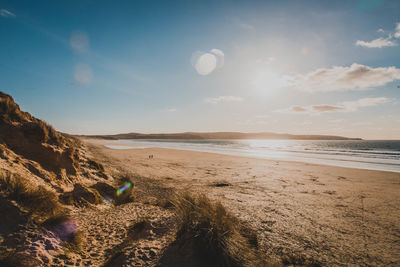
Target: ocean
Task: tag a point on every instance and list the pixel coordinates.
(381, 155)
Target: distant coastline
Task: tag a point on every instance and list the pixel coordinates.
(361, 154)
(219, 136)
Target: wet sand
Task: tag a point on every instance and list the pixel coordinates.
(329, 215)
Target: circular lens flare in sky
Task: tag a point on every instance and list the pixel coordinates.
(206, 63)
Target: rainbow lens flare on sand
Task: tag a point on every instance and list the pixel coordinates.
(122, 189)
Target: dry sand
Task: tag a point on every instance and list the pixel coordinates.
(330, 215)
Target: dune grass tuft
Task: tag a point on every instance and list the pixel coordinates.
(214, 235)
(77, 242)
(50, 135)
(164, 203)
(139, 228)
(9, 110)
(36, 199)
(56, 219)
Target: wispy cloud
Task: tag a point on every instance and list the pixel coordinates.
(246, 26)
(326, 108)
(6, 14)
(313, 109)
(263, 116)
(365, 102)
(397, 32)
(363, 123)
(243, 24)
(347, 106)
(388, 41)
(336, 121)
(79, 42)
(298, 109)
(303, 123)
(223, 99)
(338, 78)
(259, 120)
(377, 43)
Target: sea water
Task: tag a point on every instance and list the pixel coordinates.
(363, 154)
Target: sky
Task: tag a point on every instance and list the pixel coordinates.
(300, 67)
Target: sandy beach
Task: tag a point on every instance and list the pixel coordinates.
(200, 133)
(330, 215)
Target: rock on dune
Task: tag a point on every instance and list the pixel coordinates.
(81, 196)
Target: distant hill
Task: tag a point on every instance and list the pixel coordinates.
(221, 135)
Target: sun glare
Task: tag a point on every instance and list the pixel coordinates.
(267, 81)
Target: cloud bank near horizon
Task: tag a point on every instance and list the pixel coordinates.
(223, 99)
(338, 78)
(346, 106)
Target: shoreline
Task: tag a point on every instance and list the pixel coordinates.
(333, 215)
(121, 146)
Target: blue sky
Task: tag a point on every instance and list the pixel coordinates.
(102, 67)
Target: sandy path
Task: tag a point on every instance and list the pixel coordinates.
(106, 228)
(323, 214)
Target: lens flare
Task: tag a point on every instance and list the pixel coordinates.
(207, 62)
(65, 231)
(122, 189)
(83, 74)
(79, 41)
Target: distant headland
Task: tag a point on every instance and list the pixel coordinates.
(220, 135)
